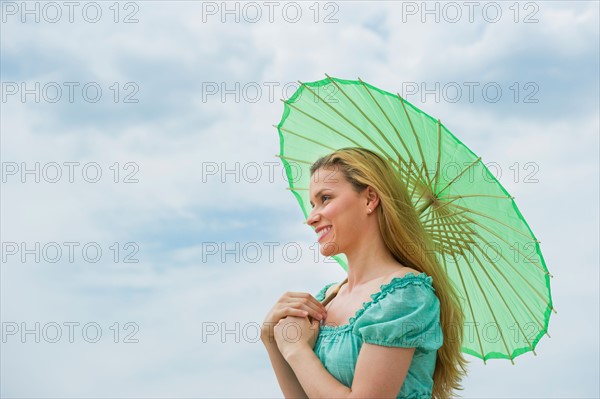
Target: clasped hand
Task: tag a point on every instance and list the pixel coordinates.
(296, 333)
(289, 322)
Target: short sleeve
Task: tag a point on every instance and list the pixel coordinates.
(405, 314)
(321, 294)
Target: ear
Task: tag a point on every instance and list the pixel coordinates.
(372, 198)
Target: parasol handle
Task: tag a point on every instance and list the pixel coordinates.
(334, 293)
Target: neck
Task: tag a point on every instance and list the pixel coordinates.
(368, 261)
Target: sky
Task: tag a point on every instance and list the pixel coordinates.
(146, 228)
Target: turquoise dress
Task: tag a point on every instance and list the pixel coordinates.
(405, 314)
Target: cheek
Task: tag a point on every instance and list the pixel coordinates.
(342, 214)
(334, 211)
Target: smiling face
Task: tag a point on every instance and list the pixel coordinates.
(338, 212)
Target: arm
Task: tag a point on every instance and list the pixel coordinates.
(299, 304)
(289, 384)
(380, 372)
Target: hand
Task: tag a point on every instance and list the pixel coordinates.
(296, 333)
(298, 304)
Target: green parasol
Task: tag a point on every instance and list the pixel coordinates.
(480, 237)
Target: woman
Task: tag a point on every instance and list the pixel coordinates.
(394, 327)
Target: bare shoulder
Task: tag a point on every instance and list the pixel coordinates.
(403, 272)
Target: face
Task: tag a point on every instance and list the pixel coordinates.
(338, 211)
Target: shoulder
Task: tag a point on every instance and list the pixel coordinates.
(405, 271)
(409, 296)
(405, 313)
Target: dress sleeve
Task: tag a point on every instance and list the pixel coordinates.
(402, 315)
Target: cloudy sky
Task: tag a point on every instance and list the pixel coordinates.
(145, 223)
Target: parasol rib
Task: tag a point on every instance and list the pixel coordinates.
(506, 242)
(478, 195)
(466, 292)
(416, 137)
(308, 139)
(540, 325)
(459, 175)
(293, 159)
(491, 218)
(484, 269)
(439, 156)
(364, 115)
(386, 116)
(345, 119)
(511, 263)
(491, 309)
(324, 124)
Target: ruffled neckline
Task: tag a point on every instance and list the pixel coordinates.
(385, 289)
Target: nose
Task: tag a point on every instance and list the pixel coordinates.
(313, 217)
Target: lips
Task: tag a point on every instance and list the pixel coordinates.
(322, 232)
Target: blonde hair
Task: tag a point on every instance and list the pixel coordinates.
(402, 232)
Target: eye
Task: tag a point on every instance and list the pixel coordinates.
(325, 197)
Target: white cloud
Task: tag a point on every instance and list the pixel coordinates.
(175, 208)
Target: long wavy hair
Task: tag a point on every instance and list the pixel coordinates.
(402, 232)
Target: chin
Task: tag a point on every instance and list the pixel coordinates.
(329, 249)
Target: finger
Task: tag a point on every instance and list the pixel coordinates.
(292, 311)
(309, 309)
(307, 299)
(292, 296)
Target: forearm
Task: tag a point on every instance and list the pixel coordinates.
(289, 384)
(314, 377)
